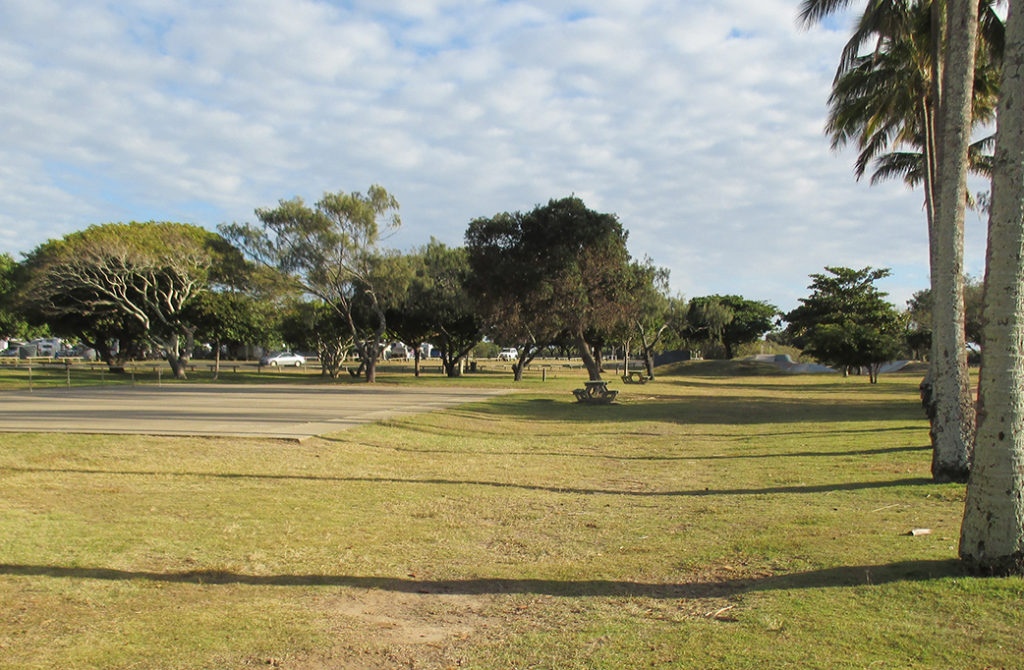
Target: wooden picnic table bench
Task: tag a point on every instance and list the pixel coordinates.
(635, 377)
(595, 393)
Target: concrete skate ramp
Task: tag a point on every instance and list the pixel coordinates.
(284, 412)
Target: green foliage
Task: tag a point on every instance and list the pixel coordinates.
(559, 269)
(457, 327)
(846, 322)
(13, 320)
(705, 322)
(882, 97)
(331, 251)
(127, 281)
(656, 313)
(919, 314)
(316, 326)
(233, 318)
(486, 350)
(751, 319)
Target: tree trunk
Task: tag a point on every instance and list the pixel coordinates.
(953, 428)
(649, 363)
(216, 360)
(174, 358)
(992, 534)
(416, 361)
(593, 367)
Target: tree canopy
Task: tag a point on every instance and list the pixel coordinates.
(131, 281)
(565, 267)
(846, 321)
(329, 250)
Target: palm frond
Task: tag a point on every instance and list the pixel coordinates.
(813, 11)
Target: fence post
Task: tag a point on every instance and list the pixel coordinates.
(67, 369)
(30, 377)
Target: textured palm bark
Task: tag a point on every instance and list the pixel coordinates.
(992, 534)
(953, 425)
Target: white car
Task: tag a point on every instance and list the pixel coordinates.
(284, 358)
(509, 354)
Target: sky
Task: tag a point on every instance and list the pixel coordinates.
(699, 124)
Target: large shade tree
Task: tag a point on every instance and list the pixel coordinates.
(457, 326)
(511, 291)
(730, 320)
(13, 320)
(846, 321)
(992, 534)
(569, 271)
(330, 250)
(931, 46)
(133, 281)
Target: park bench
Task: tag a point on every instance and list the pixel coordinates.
(595, 393)
(635, 377)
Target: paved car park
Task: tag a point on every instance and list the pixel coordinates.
(284, 412)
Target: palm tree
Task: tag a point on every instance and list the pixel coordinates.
(992, 534)
(891, 98)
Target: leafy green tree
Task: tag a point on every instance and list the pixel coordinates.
(846, 322)
(331, 251)
(316, 326)
(751, 319)
(568, 273)
(13, 321)
(655, 310)
(456, 324)
(231, 318)
(705, 322)
(132, 280)
(410, 318)
(511, 291)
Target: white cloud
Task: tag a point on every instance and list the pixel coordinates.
(699, 124)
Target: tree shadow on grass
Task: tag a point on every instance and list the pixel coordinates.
(770, 490)
(433, 430)
(700, 409)
(836, 577)
(788, 387)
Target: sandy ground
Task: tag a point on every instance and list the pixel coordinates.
(284, 412)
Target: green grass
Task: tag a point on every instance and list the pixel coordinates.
(709, 519)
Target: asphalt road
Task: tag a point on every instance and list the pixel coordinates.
(284, 412)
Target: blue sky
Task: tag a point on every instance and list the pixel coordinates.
(699, 124)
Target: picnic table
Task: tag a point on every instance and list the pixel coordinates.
(595, 393)
(635, 377)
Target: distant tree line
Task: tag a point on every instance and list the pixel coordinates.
(316, 278)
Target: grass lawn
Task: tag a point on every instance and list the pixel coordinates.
(706, 520)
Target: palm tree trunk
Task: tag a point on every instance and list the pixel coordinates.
(953, 427)
(992, 534)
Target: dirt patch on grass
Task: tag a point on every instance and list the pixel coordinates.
(410, 619)
(384, 629)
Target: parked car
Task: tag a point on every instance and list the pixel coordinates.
(508, 354)
(282, 359)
